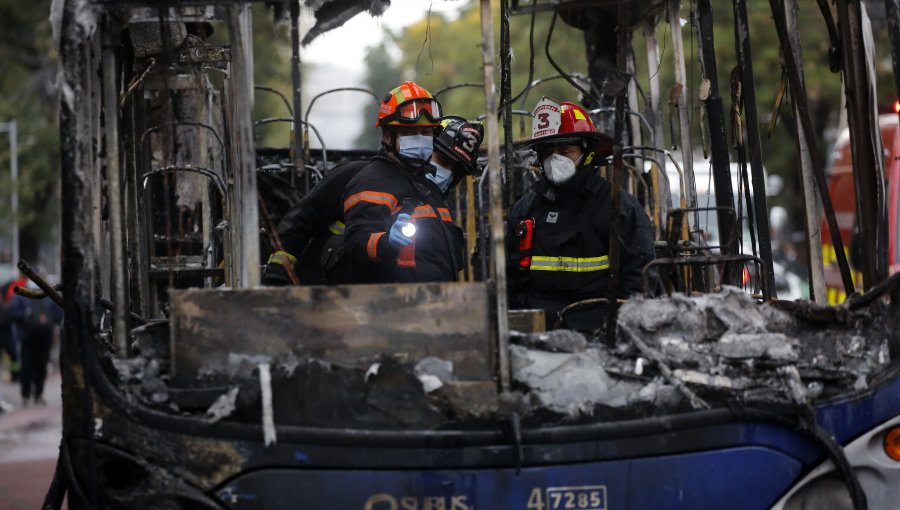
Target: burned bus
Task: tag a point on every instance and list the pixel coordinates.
(187, 385)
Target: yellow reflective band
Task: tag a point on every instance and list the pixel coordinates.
(337, 228)
(570, 264)
(578, 115)
(282, 257)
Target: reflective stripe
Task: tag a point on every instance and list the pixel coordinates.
(336, 228)
(373, 197)
(571, 264)
(426, 211)
(372, 246)
(445, 214)
(423, 211)
(282, 257)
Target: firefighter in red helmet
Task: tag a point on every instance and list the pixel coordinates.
(559, 231)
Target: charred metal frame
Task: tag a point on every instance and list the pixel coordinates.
(865, 136)
(811, 199)
(716, 115)
(742, 46)
(498, 226)
(91, 70)
(615, 239)
(798, 92)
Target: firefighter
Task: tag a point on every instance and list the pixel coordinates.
(314, 228)
(310, 233)
(399, 227)
(559, 231)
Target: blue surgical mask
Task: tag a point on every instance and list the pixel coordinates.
(415, 147)
(442, 177)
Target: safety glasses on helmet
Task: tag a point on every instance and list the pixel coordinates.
(411, 111)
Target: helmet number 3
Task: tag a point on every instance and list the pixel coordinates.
(547, 119)
(469, 144)
(543, 120)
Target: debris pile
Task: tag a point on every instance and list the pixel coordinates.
(700, 352)
(673, 355)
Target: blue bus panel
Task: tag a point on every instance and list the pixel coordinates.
(747, 478)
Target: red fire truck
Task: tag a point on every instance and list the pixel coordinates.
(840, 186)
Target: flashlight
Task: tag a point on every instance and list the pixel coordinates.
(409, 230)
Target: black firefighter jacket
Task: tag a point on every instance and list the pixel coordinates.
(311, 230)
(570, 252)
(372, 200)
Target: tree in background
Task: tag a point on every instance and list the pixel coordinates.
(381, 76)
(29, 95)
(272, 68)
(823, 87)
(437, 52)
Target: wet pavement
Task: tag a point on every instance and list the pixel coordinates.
(29, 443)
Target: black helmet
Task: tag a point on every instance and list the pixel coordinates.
(459, 140)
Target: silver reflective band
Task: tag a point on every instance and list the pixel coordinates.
(571, 264)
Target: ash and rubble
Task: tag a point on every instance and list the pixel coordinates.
(674, 354)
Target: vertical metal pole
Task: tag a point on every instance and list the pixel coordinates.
(244, 162)
(623, 47)
(471, 233)
(868, 175)
(114, 198)
(654, 116)
(14, 175)
(742, 43)
(296, 89)
(496, 193)
(811, 200)
(718, 141)
(892, 10)
(505, 95)
(687, 146)
(634, 123)
(798, 93)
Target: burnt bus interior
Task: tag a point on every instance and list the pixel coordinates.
(180, 371)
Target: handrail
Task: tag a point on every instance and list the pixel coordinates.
(271, 120)
(217, 180)
(287, 104)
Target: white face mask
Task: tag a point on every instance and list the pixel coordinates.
(558, 168)
(442, 177)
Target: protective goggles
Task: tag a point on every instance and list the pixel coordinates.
(409, 112)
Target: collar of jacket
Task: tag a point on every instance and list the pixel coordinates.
(416, 177)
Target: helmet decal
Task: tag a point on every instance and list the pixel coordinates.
(547, 118)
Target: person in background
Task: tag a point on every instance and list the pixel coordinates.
(559, 232)
(10, 334)
(37, 320)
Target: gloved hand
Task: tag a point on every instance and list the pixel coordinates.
(396, 237)
(276, 272)
(275, 276)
